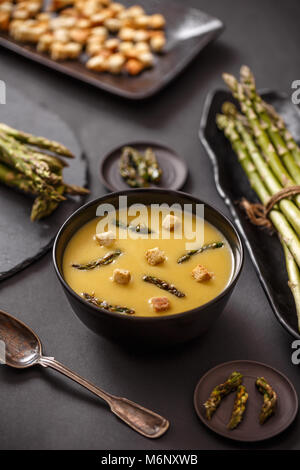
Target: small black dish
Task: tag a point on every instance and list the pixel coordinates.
(148, 331)
(232, 184)
(249, 430)
(174, 169)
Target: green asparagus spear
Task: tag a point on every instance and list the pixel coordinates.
(279, 143)
(259, 132)
(278, 219)
(270, 399)
(294, 277)
(163, 285)
(220, 391)
(288, 207)
(108, 258)
(189, 254)
(154, 172)
(16, 180)
(11, 158)
(132, 168)
(137, 169)
(105, 305)
(40, 167)
(74, 189)
(40, 142)
(239, 407)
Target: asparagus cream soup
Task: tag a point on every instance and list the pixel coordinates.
(128, 270)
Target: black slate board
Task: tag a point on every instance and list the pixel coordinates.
(232, 184)
(23, 241)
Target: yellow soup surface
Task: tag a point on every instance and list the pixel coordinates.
(83, 248)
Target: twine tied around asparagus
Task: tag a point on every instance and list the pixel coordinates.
(258, 213)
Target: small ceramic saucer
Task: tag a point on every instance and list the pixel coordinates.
(249, 429)
(173, 167)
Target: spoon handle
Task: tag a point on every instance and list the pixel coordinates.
(142, 420)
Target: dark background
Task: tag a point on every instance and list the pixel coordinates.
(41, 410)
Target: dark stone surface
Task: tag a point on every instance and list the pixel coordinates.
(43, 410)
(22, 241)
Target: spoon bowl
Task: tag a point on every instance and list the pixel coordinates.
(22, 346)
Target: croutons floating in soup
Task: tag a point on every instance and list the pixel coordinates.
(164, 264)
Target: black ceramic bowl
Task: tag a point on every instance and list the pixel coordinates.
(148, 331)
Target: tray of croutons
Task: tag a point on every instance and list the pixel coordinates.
(132, 50)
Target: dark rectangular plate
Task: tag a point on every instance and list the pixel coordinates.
(188, 30)
(232, 184)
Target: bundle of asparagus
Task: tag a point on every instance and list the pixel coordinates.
(270, 158)
(26, 165)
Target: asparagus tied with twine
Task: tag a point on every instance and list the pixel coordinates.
(33, 165)
(270, 158)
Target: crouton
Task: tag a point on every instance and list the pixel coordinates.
(121, 276)
(155, 256)
(134, 66)
(157, 42)
(170, 222)
(157, 21)
(70, 50)
(105, 238)
(201, 274)
(160, 304)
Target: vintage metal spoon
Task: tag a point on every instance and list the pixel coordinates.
(23, 349)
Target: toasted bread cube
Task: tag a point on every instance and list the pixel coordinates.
(100, 32)
(126, 34)
(142, 46)
(201, 274)
(112, 44)
(157, 42)
(155, 256)
(121, 276)
(116, 8)
(28, 31)
(4, 20)
(62, 35)
(45, 42)
(134, 66)
(157, 21)
(125, 46)
(135, 10)
(113, 24)
(63, 22)
(115, 63)
(98, 63)
(58, 4)
(70, 50)
(80, 35)
(105, 238)
(142, 21)
(170, 222)
(141, 35)
(146, 58)
(83, 23)
(160, 304)
(99, 18)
